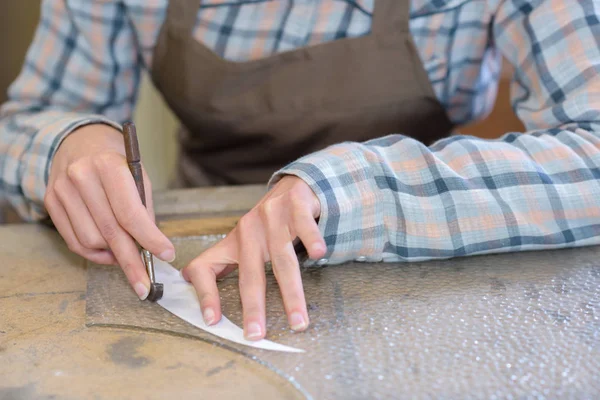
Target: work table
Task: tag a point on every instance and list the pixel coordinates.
(48, 352)
(524, 324)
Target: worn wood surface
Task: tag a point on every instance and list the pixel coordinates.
(521, 314)
(205, 211)
(207, 202)
(197, 226)
(47, 351)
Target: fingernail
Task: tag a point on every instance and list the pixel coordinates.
(297, 321)
(318, 247)
(167, 255)
(141, 290)
(209, 316)
(253, 331)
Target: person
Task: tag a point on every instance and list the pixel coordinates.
(345, 106)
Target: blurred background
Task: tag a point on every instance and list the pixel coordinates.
(156, 124)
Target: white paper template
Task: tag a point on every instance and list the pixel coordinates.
(180, 298)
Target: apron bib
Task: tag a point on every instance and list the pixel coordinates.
(244, 121)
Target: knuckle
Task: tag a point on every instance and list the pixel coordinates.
(60, 185)
(49, 197)
(109, 231)
(92, 242)
(103, 161)
(268, 208)
(251, 309)
(194, 265)
(246, 223)
(76, 248)
(207, 299)
(128, 267)
(129, 217)
(201, 263)
(87, 242)
(295, 200)
(78, 171)
(251, 280)
(292, 297)
(297, 191)
(72, 247)
(280, 260)
(61, 188)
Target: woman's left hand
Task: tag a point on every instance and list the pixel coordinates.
(264, 234)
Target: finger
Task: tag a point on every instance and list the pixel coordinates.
(306, 229)
(227, 259)
(203, 272)
(285, 264)
(252, 279)
(120, 242)
(149, 198)
(127, 206)
(63, 225)
(82, 222)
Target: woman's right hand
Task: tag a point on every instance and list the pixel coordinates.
(94, 203)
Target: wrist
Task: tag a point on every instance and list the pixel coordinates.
(96, 135)
(352, 219)
(90, 139)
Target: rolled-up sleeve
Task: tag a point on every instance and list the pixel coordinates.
(82, 68)
(394, 199)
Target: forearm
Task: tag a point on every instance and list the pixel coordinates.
(394, 199)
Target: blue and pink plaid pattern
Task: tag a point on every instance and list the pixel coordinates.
(391, 198)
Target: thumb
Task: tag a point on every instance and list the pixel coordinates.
(221, 259)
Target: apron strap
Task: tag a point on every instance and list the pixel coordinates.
(390, 16)
(181, 14)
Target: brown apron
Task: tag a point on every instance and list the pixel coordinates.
(243, 121)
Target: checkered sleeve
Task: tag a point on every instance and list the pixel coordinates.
(394, 199)
(81, 68)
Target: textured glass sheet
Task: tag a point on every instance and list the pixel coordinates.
(515, 325)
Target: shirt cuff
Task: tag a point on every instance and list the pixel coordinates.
(343, 177)
(37, 160)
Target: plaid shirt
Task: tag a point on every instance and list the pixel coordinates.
(388, 199)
